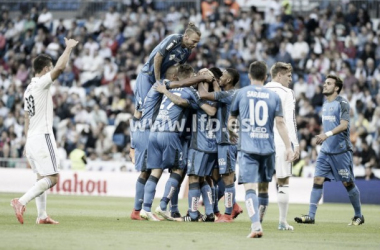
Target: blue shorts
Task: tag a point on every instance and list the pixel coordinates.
(164, 151)
(141, 139)
(255, 168)
(335, 167)
(200, 163)
(226, 158)
(143, 85)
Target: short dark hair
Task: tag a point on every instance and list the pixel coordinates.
(338, 82)
(258, 70)
(216, 72)
(234, 74)
(40, 62)
(185, 71)
(191, 28)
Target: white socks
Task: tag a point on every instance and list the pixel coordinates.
(39, 187)
(283, 202)
(41, 205)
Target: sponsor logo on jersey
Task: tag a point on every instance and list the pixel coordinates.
(171, 57)
(330, 118)
(170, 46)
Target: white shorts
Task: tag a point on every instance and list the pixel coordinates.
(283, 167)
(41, 152)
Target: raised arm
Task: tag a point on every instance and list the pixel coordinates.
(63, 59)
(157, 66)
(203, 92)
(190, 81)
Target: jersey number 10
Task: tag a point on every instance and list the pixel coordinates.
(254, 113)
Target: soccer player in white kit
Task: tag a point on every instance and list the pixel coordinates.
(40, 147)
(281, 78)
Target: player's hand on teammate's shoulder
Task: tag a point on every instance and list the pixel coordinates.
(160, 87)
(71, 43)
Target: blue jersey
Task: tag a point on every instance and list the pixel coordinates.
(203, 136)
(224, 106)
(172, 52)
(257, 108)
(171, 117)
(332, 113)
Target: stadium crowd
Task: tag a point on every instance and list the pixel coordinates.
(93, 98)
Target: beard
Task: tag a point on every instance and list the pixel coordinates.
(326, 93)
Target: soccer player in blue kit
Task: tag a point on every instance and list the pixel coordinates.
(227, 150)
(174, 49)
(334, 161)
(165, 148)
(141, 129)
(256, 109)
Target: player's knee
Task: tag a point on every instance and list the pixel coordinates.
(319, 180)
(349, 185)
(228, 179)
(263, 188)
(53, 179)
(193, 178)
(283, 181)
(176, 176)
(144, 175)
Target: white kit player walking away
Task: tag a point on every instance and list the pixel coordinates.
(281, 78)
(40, 147)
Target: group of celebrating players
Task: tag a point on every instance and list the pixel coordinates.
(187, 122)
(199, 124)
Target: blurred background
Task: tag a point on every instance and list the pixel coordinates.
(93, 98)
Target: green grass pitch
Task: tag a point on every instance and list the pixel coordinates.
(103, 223)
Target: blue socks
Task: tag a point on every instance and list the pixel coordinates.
(149, 193)
(193, 197)
(174, 202)
(170, 188)
(316, 195)
(139, 196)
(207, 198)
(229, 198)
(354, 195)
(252, 204)
(263, 204)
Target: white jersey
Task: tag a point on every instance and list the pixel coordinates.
(38, 103)
(288, 102)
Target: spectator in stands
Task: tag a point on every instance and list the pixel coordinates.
(45, 20)
(127, 39)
